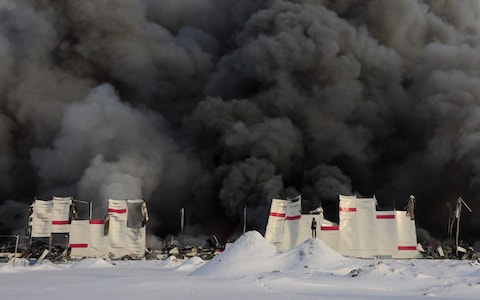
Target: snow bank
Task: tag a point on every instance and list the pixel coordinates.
(170, 262)
(14, 265)
(313, 254)
(91, 263)
(250, 245)
(190, 264)
(251, 253)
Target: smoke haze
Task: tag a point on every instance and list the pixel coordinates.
(212, 105)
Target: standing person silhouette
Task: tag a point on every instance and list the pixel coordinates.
(314, 228)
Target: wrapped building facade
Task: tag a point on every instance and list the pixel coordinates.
(362, 230)
(122, 233)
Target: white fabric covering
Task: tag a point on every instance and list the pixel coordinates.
(276, 220)
(98, 242)
(87, 238)
(117, 209)
(42, 218)
(136, 238)
(61, 214)
(293, 216)
(362, 230)
(80, 238)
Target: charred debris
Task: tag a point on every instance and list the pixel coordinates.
(454, 247)
(55, 232)
(16, 246)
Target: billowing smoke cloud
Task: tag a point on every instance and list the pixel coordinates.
(217, 105)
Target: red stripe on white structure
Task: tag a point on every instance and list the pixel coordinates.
(275, 214)
(328, 227)
(60, 222)
(78, 245)
(407, 247)
(291, 218)
(385, 216)
(348, 209)
(117, 211)
(97, 222)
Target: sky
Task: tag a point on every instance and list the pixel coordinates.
(250, 268)
(214, 105)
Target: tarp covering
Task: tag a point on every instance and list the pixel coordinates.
(362, 230)
(117, 209)
(274, 232)
(293, 216)
(61, 214)
(42, 218)
(330, 234)
(136, 219)
(367, 241)
(136, 242)
(98, 242)
(406, 235)
(126, 233)
(79, 238)
(386, 233)
(94, 238)
(348, 224)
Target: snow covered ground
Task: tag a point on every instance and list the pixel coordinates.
(250, 269)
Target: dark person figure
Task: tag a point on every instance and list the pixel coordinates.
(314, 228)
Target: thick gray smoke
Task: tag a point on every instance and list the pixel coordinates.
(214, 105)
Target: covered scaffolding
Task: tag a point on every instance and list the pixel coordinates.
(126, 232)
(121, 234)
(362, 230)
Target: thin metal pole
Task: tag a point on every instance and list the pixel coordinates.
(16, 243)
(182, 219)
(91, 209)
(458, 230)
(245, 218)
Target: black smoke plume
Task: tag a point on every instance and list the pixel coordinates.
(214, 105)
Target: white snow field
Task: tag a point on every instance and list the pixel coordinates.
(251, 268)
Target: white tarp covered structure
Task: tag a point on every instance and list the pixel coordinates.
(292, 218)
(61, 214)
(126, 233)
(87, 239)
(362, 231)
(137, 216)
(98, 246)
(117, 231)
(79, 239)
(276, 222)
(42, 218)
(122, 233)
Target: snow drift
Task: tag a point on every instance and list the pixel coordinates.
(251, 253)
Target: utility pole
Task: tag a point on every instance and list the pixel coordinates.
(182, 219)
